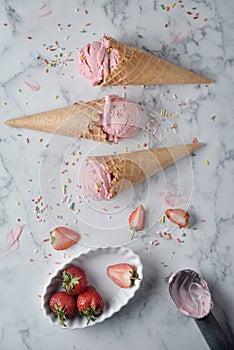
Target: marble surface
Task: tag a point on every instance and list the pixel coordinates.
(196, 35)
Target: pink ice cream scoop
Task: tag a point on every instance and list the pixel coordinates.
(120, 118)
(95, 180)
(96, 60)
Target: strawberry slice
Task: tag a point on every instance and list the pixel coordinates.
(137, 220)
(124, 275)
(63, 238)
(178, 216)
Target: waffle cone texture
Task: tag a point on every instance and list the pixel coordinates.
(136, 67)
(132, 168)
(79, 121)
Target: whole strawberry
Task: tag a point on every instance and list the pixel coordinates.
(124, 275)
(178, 216)
(74, 280)
(90, 304)
(63, 305)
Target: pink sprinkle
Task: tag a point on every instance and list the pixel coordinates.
(46, 240)
(155, 242)
(33, 85)
(203, 220)
(27, 140)
(178, 240)
(57, 262)
(13, 238)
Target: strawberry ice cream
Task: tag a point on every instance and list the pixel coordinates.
(120, 118)
(95, 180)
(96, 60)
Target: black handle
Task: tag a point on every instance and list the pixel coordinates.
(213, 333)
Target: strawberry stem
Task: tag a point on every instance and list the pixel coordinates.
(134, 230)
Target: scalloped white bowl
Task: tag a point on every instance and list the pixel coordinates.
(95, 262)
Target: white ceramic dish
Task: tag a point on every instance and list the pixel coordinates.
(95, 262)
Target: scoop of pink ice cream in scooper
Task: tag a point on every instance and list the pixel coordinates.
(191, 294)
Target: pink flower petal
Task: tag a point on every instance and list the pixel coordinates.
(13, 238)
(33, 85)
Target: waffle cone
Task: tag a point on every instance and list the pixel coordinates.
(79, 121)
(137, 67)
(132, 168)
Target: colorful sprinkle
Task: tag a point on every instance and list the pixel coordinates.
(207, 162)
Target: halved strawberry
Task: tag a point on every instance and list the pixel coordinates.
(178, 216)
(63, 238)
(124, 275)
(137, 220)
(63, 305)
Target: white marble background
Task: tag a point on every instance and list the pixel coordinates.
(150, 319)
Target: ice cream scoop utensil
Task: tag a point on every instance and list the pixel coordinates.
(191, 295)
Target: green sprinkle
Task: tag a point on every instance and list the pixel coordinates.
(195, 228)
(162, 7)
(213, 118)
(83, 31)
(193, 154)
(72, 205)
(140, 36)
(194, 8)
(47, 145)
(19, 134)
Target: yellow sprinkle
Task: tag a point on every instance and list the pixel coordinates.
(64, 189)
(163, 111)
(175, 116)
(19, 91)
(68, 54)
(168, 114)
(56, 97)
(163, 219)
(125, 149)
(207, 162)
(172, 5)
(4, 103)
(96, 185)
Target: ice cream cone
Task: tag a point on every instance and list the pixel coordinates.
(132, 168)
(79, 121)
(136, 67)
